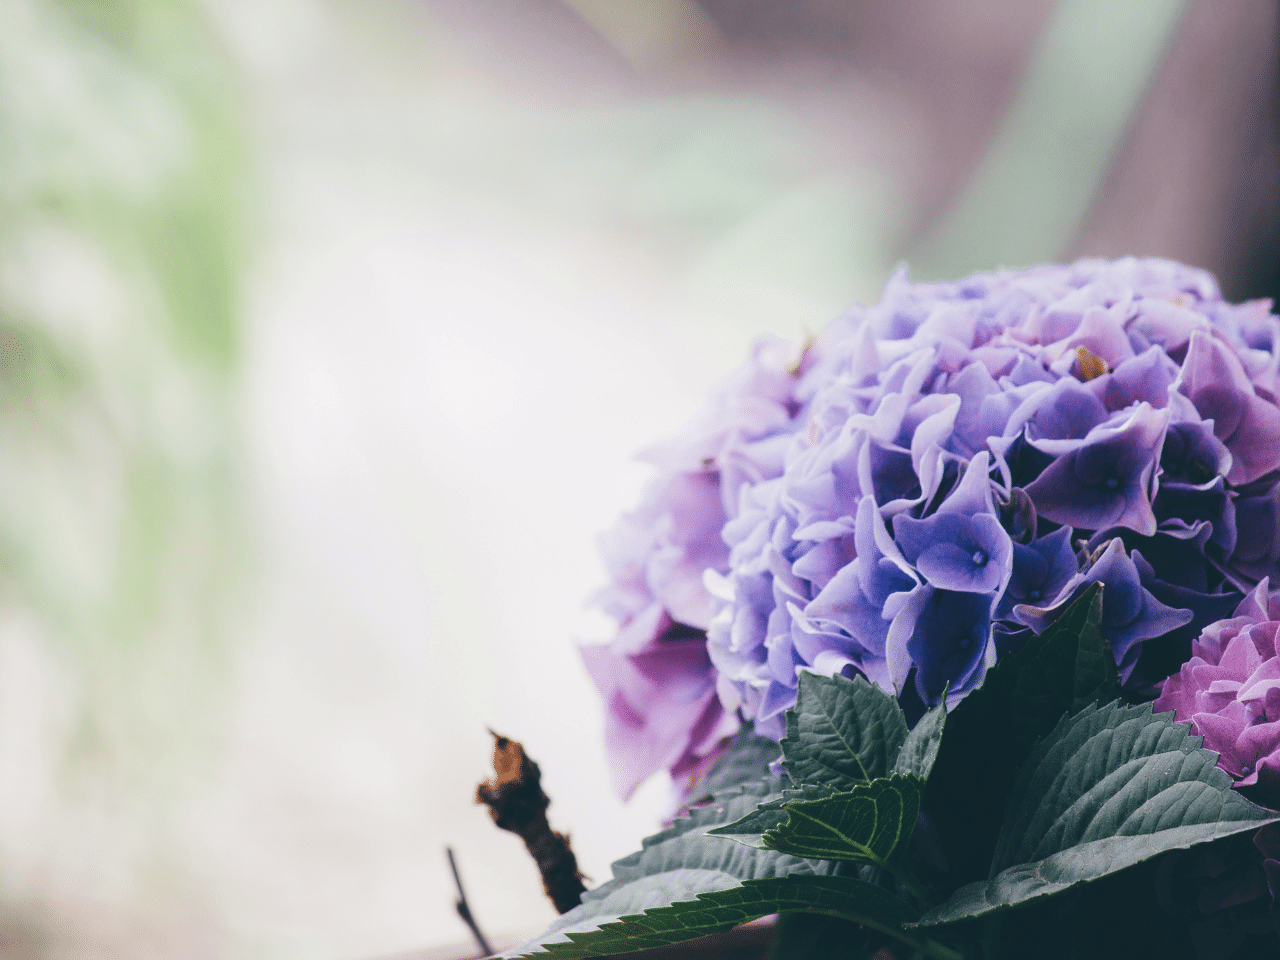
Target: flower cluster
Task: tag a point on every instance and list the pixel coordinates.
(937, 480)
(1230, 692)
(973, 455)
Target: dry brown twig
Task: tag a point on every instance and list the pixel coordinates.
(516, 802)
(464, 909)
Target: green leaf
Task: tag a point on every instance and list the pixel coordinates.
(1108, 788)
(867, 824)
(920, 749)
(746, 759)
(684, 845)
(992, 731)
(769, 815)
(842, 732)
(644, 916)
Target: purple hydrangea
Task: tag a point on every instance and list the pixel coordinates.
(656, 677)
(1230, 692)
(973, 455)
(947, 470)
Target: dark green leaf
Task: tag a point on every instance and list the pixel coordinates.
(992, 731)
(684, 884)
(920, 749)
(1108, 788)
(644, 915)
(747, 758)
(864, 825)
(681, 862)
(842, 732)
(1072, 663)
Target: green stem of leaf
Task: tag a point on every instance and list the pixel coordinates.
(931, 949)
(904, 873)
(991, 936)
(915, 888)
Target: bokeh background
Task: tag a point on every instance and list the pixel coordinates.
(328, 331)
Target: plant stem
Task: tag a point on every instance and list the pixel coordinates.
(905, 875)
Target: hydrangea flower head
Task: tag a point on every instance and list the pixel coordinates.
(1230, 691)
(947, 470)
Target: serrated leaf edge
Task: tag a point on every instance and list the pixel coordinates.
(808, 685)
(563, 950)
(1194, 741)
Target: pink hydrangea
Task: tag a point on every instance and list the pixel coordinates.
(1230, 692)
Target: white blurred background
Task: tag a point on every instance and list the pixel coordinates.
(329, 330)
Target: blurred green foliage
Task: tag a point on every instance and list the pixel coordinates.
(123, 171)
